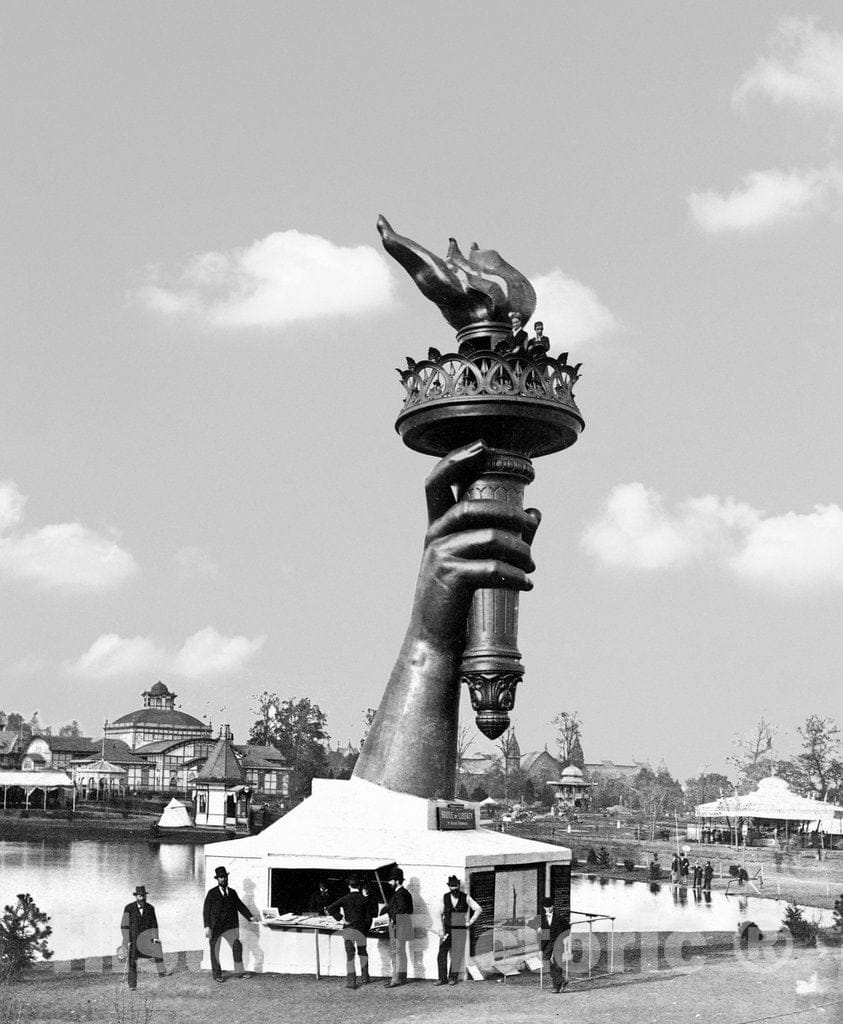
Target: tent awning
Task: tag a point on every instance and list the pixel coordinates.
(325, 862)
(37, 779)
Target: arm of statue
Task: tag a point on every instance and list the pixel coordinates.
(411, 746)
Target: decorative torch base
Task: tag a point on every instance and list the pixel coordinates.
(492, 697)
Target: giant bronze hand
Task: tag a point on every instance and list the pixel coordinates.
(411, 746)
(479, 288)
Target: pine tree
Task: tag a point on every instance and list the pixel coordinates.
(23, 936)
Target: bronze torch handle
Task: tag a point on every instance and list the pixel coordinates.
(491, 665)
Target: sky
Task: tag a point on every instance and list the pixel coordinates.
(200, 480)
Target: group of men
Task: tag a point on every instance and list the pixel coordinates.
(357, 911)
(520, 344)
(139, 928)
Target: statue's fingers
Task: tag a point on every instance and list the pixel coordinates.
(480, 545)
(474, 515)
(535, 518)
(496, 575)
(453, 469)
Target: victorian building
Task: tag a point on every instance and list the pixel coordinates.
(157, 721)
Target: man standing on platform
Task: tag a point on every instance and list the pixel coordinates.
(400, 912)
(139, 926)
(357, 916)
(222, 905)
(454, 930)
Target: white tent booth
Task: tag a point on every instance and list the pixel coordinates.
(356, 827)
(775, 809)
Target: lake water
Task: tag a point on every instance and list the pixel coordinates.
(84, 884)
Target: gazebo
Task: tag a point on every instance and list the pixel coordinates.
(571, 789)
(99, 779)
(770, 812)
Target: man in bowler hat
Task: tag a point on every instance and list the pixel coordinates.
(554, 930)
(455, 925)
(399, 909)
(222, 905)
(357, 918)
(139, 926)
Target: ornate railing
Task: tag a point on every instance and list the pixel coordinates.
(484, 373)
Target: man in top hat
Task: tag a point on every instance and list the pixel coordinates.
(455, 924)
(222, 905)
(399, 909)
(139, 926)
(357, 916)
(554, 931)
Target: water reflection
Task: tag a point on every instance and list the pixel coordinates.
(649, 907)
(84, 884)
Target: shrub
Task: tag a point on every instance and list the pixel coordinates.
(838, 915)
(23, 936)
(804, 932)
(629, 864)
(603, 858)
(575, 861)
(591, 858)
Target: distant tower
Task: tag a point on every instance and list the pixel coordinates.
(576, 757)
(511, 751)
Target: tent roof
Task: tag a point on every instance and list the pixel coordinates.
(773, 799)
(377, 827)
(41, 780)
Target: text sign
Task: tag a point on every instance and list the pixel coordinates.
(454, 816)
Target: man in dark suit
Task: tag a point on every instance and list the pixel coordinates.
(357, 920)
(222, 905)
(539, 345)
(554, 930)
(399, 909)
(139, 926)
(457, 914)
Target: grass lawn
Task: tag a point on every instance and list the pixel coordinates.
(807, 986)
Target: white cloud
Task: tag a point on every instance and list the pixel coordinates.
(795, 549)
(209, 653)
(63, 556)
(283, 278)
(634, 530)
(195, 561)
(570, 311)
(111, 656)
(767, 198)
(803, 66)
(205, 653)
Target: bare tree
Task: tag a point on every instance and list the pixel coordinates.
(568, 731)
(465, 741)
(753, 754)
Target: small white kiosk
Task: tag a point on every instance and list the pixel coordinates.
(356, 827)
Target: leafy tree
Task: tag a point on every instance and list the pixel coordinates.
(568, 733)
(818, 768)
(462, 792)
(705, 787)
(753, 755)
(298, 728)
(16, 723)
(611, 790)
(71, 729)
(2, 720)
(528, 794)
(478, 794)
(657, 794)
(368, 718)
(23, 936)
